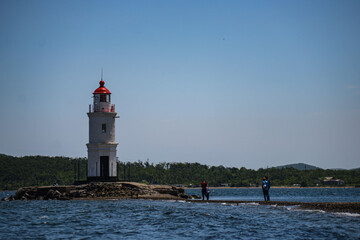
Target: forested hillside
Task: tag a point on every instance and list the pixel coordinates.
(41, 170)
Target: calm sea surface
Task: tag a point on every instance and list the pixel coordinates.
(146, 219)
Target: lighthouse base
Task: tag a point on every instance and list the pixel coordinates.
(102, 162)
(102, 179)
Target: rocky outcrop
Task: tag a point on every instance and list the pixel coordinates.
(100, 190)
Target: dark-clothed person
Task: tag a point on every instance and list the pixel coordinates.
(203, 189)
(266, 188)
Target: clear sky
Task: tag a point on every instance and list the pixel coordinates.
(234, 83)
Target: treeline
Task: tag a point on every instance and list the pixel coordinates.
(16, 172)
(192, 174)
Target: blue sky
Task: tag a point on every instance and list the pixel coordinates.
(233, 83)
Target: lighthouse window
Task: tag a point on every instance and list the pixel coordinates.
(103, 128)
(103, 98)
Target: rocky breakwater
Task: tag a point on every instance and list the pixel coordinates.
(100, 190)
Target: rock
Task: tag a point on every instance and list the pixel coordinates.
(100, 190)
(195, 197)
(78, 193)
(49, 195)
(182, 195)
(11, 198)
(169, 190)
(19, 194)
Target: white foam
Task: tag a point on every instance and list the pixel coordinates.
(241, 204)
(252, 204)
(248, 203)
(348, 214)
(296, 208)
(291, 208)
(308, 210)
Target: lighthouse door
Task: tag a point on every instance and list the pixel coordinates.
(104, 166)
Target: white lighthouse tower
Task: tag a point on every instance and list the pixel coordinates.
(102, 146)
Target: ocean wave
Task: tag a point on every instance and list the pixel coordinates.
(347, 214)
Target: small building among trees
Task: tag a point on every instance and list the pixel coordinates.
(333, 181)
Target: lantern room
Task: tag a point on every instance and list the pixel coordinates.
(102, 100)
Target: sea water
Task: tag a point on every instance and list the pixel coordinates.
(285, 194)
(147, 219)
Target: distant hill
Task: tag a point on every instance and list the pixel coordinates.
(298, 166)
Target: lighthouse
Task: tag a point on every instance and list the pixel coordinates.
(102, 146)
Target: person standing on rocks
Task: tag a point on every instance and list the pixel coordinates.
(207, 193)
(266, 187)
(203, 189)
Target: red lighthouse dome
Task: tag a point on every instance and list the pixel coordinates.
(102, 101)
(102, 89)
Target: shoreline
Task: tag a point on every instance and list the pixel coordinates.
(131, 190)
(271, 187)
(12, 190)
(335, 207)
